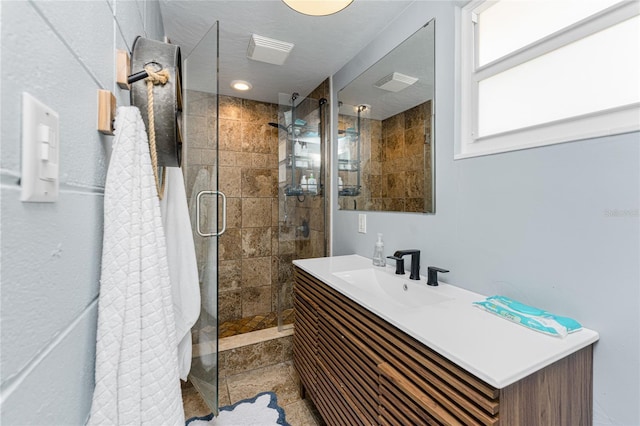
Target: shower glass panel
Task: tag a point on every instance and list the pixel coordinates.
(200, 166)
(302, 190)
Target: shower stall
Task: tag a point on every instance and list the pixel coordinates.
(251, 216)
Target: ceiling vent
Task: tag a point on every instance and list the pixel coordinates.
(268, 50)
(395, 82)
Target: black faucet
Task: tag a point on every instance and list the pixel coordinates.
(415, 262)
(399, 264)
(432, 275)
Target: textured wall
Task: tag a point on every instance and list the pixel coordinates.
(556, 226)
(61, 53)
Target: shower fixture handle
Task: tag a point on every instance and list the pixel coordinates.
(224, 213)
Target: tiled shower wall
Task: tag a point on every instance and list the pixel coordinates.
(406, 166)
(248, 177)
(396, 162)
(256, 251)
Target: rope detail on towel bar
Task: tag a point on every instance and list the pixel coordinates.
(160, 77)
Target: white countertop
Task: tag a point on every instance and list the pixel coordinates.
(493, 349)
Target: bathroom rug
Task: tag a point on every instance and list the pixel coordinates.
(261, 410)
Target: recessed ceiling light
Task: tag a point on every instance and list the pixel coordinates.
(241, 85)
(317, 7)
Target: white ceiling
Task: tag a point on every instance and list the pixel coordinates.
(414, 57)
(323, 45)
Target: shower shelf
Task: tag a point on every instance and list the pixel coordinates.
(348, 165)
(289, 191)
(349, 191)
(349, 158)
(306, 128)
(302, 154)
(303, 162)
(314, 140)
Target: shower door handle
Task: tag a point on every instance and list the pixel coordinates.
(224, 213)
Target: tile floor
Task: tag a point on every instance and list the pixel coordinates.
(280, 378)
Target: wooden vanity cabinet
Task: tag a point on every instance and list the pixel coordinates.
(360, 370)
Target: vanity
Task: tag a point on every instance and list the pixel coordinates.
(372, 347)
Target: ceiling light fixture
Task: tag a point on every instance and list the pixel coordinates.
(317, 7)
(241, 85)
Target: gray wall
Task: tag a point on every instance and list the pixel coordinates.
(61, 53)
(556, 227)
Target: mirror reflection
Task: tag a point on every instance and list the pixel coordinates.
(385, 128)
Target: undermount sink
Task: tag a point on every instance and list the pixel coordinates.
(400, 291)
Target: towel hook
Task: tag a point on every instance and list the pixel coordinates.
(162, 58)
(143, 74)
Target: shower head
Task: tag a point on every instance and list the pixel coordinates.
(279, 126)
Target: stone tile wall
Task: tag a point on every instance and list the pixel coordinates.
(404, 168)
(395, 161)
(247, 174)
(256, 251)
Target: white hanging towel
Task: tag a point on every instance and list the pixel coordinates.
(136, 376)
(183, 266)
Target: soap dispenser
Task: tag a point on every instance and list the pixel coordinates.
(378, 253)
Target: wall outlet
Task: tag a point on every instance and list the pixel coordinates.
(362, 223)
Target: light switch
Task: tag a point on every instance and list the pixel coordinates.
(40, 151)
(43, 132)
(49, 173)
(362, 223)
(44, 151)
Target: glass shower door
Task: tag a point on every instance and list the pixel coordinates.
(206, 203)
(302, 169)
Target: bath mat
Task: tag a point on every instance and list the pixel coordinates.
(261, 410)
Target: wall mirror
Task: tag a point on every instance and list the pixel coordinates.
(385, 131)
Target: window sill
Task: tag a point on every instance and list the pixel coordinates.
(601, 124)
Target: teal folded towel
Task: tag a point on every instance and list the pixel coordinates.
(528, 316)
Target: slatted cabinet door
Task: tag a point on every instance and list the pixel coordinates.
(305, 339)
(360, 370)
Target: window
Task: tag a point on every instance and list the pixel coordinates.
(538, 72)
